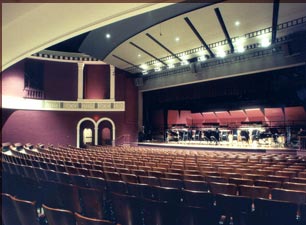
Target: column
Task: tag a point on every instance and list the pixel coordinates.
(112, 82)
(80, 80)
(140, 111)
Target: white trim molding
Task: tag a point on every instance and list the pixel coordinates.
(107, 105)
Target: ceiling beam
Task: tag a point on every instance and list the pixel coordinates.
(164, 47)
(148, 53)
(123, 60)
(228, 38)
(274, 20)
(199, 36)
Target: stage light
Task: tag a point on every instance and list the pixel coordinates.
(265, 41)
(240, 44)
(144, 66)
(220, 52)
(184, 62)
(170, 66)
(201, 58)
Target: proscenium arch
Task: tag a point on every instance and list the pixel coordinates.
(78, 129)
(113, 129)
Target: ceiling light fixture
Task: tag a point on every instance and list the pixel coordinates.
(177, 39)
(237, 23)
(107, 35)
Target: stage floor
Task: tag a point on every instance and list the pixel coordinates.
(218, 147)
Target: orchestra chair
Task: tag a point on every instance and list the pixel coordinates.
(97, 183)
(156, 212)
(112, 175)
(138, 189)
(268, 211)
(126, 208)
(193, 177)
(218, 179)
(26, 211)
(278, 178)
(298, 197)
(294, 186)
(298, 180)
(254, 191)
(9, 213)
(197, 208)
(302, 214)
(240, 181)
(64, 177)
(223, 188)
(84, 220)
(96, 173)
(91, 202)
(139, 172)
(129, 178)
(268, 183)
(150, 180)
(196, 185)
(171, 182)
(69, 197)
(79, 180)
(56, 216)
(157, 174)
(236, 209)
(116, 186)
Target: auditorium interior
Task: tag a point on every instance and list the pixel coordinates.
(153, 113)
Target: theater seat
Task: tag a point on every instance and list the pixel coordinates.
(83, 220)
(9, 213)
(57, 216)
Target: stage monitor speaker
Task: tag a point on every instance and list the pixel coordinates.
(139, 82)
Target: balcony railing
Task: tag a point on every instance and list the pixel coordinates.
(33, 93)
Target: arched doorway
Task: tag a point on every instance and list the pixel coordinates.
(86, 132)
(105, 132)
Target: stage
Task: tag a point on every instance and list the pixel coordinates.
(189, 145)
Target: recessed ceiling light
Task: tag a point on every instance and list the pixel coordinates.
(237, 23)
(177, 39)
(107, 35)
(139, 55)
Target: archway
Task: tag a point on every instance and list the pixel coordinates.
(106, 132)
(89, 125)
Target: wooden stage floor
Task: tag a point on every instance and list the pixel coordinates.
(224, 148)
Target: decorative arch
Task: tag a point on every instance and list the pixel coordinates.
(78, 129)
(113, 129)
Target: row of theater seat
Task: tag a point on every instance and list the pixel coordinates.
(50, 189)
(22, 212)
(116, 179)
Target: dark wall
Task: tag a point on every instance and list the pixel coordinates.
(61, 81)
(96, 82)
(55, 127)
(12, 80)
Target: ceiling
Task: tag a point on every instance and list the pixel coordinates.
(165, 36)
(143, 36)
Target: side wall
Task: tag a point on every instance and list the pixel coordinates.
(57, 127)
